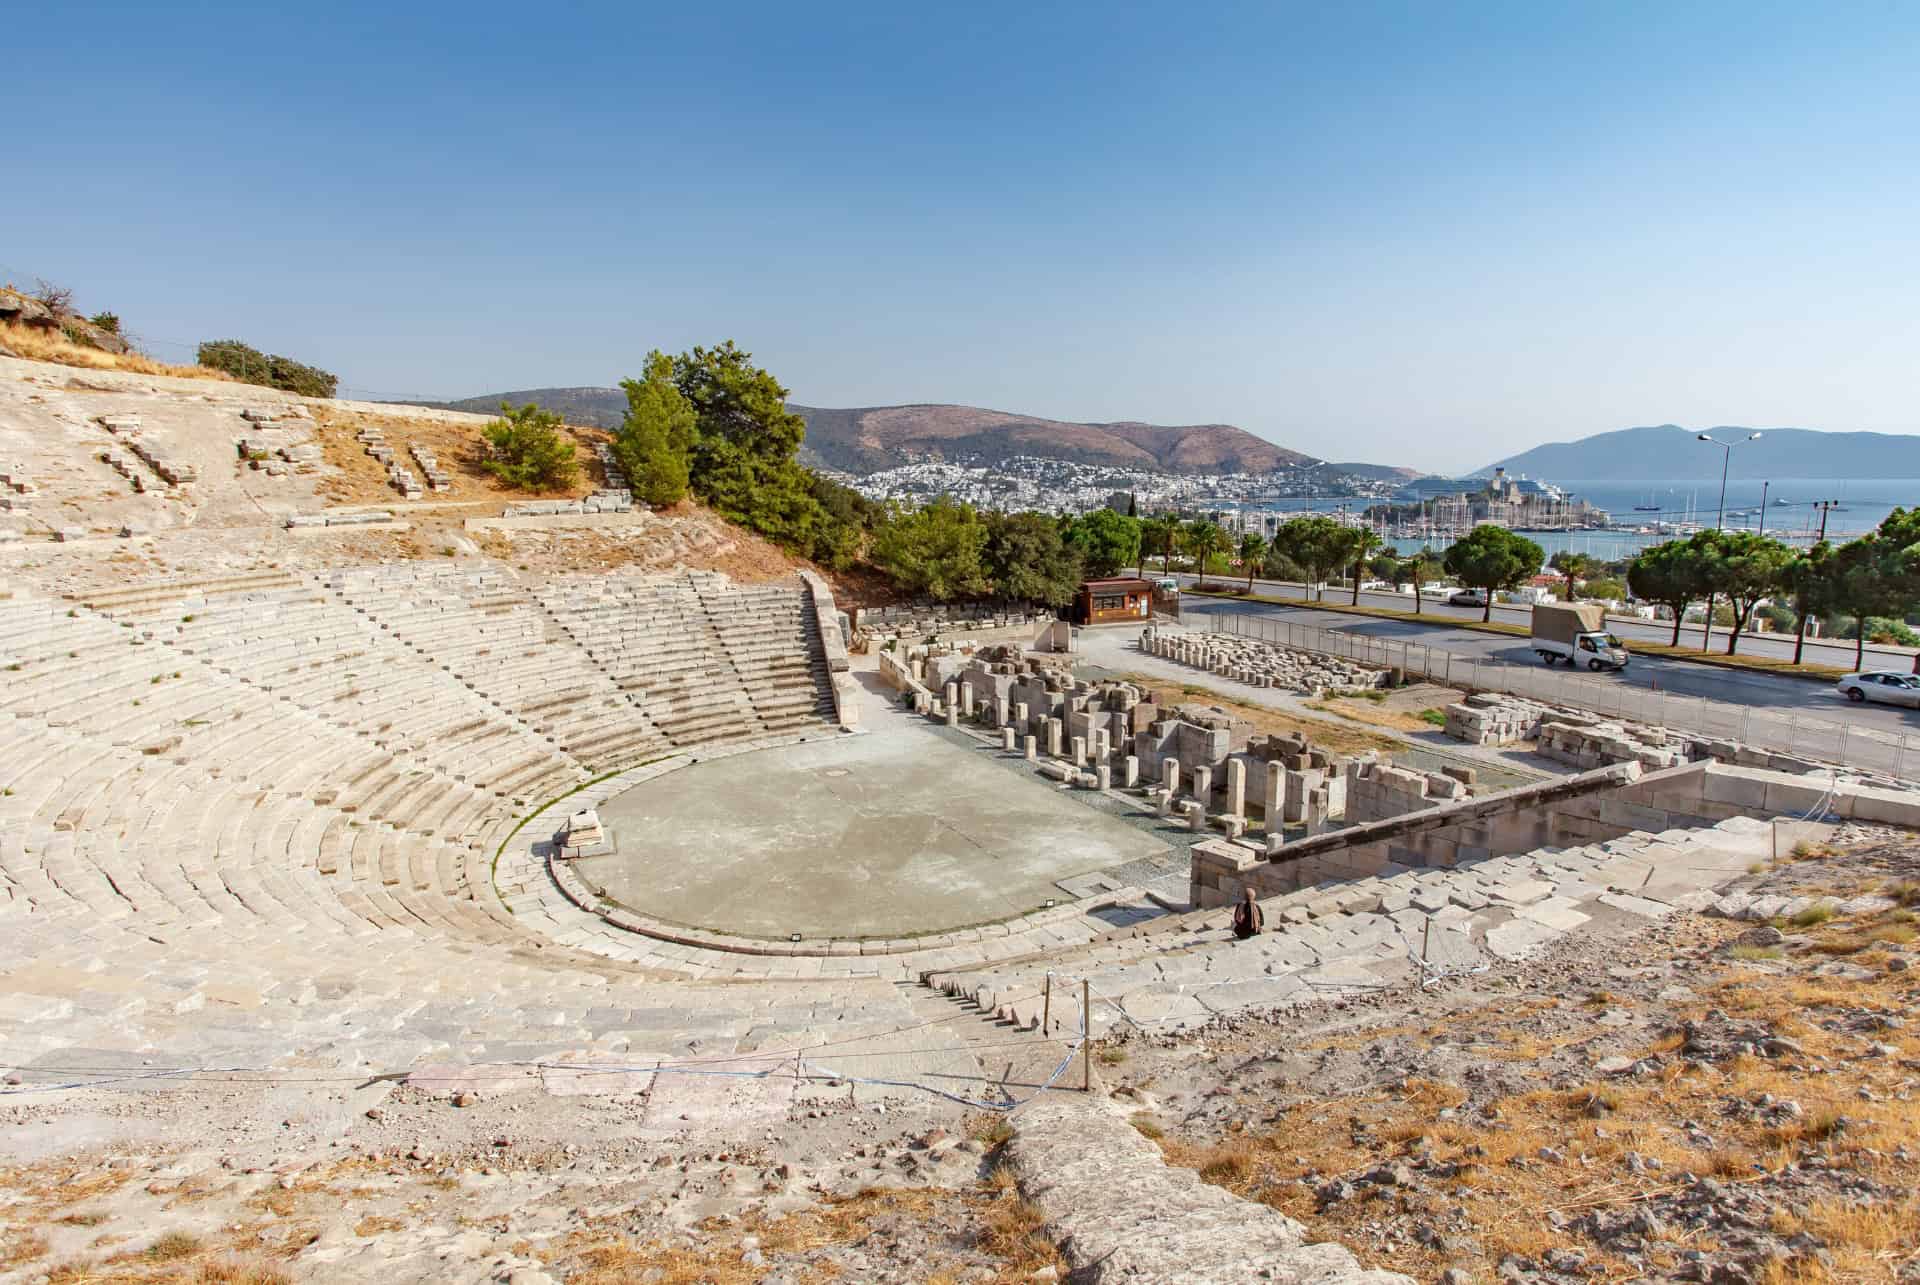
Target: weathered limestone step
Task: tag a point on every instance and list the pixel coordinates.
(1121, 1214)
(150, 594)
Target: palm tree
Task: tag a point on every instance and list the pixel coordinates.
(1574, 566)
(1204, 540)
(1417, 569)
(1252, 549)
(1361, 543)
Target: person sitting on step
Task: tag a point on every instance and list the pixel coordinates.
(1247, 919)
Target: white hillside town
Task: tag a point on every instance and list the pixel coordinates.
(1055, 486)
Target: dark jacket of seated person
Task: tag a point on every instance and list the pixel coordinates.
(1247, 919)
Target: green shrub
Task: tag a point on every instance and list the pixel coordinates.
(1885, 629)
(1436, 717)
(526, 449)
(107, 321)
(247, 363)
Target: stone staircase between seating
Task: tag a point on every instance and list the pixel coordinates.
(701, 655)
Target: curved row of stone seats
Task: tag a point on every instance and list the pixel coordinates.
(155, 600)
(1362, 933)
(99, 830)
(496, 639)
(81, 994)
(133, 768)
(145, 918)
(300, 644)
(78, 670)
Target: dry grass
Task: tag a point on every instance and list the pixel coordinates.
(1375, 714)
(361, 479)
(34, 344)
(994, 1130)
(1507, 1175)
(172, 1245)
(207, 1271)
(1340, 738)
(18, 1247)
(231, 1272)
(1812, 916)
(1015, 1230)
(995, 1220)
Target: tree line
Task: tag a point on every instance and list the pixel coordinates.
(711, 424)
(1874, 577)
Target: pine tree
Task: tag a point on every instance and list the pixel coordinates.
(655, 441)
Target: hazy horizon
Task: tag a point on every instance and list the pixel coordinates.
(1393, 233)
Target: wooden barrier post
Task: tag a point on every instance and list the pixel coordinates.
(1046, 1006)
(1086, 1036)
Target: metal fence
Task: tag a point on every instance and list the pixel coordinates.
(1869, 749)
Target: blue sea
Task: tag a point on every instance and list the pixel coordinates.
(1789, 511)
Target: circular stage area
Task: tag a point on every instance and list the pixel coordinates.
(893, 833)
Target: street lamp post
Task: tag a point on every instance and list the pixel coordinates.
(1719, 522)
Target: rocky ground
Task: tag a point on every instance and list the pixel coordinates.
(425, 1188)
(1714, 1101)
(1710, 1100)
(231, 520)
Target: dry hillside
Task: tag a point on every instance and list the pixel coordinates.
(862, 440)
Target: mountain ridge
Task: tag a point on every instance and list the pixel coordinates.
(867, 439)
(1670, 452)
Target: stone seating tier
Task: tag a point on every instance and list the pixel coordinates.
(1185, 970)
(270, 749)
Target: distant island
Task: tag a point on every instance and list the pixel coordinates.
(1670, 453)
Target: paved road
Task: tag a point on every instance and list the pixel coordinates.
(1838, 654)
(1732, 686)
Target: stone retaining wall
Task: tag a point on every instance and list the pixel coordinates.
(1378, 790)
(1589, 808)
(557, 521)
(1121, 1213)
(916, 621)
(833, 646)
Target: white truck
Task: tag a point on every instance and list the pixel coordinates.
(1577, 633)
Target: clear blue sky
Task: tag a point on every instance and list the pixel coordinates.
(1427, 234)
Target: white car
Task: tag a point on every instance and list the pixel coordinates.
(1467, 598)
(1883, 685)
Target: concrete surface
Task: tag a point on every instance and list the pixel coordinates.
(890, 833)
